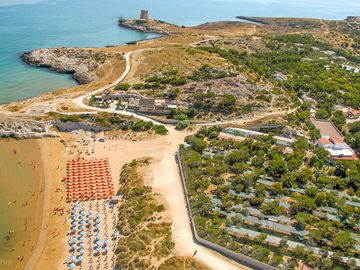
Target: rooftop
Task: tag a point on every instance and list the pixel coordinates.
(336, 139)
(327, 128)
(325, 141)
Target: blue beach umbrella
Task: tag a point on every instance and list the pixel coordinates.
(83, 217)
(97, 226)
(82, 222)
(97, 237)
(75, 207)
(83, 207)
(71, 265)
(97, 215)
(82, 233)
(106, 242)
(82, 212)
(107, 248)
(80, 258)
(90, 211)
(82, 245)
(73, 246)
(90, 221)
(72, 258)
(81, 239)
(82, 227)
(81, 251)
(98, 243)
(98, 249)
(73, 239)
(75, 218)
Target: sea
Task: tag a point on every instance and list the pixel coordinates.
(31, 24)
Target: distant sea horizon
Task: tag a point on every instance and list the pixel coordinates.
(26, 25)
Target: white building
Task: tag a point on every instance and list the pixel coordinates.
(337, 148)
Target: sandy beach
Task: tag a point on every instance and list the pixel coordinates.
(21, 201)
(52, 250)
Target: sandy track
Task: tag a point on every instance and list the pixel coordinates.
(168, 183)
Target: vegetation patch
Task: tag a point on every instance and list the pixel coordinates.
(257, 198)
(146, 238)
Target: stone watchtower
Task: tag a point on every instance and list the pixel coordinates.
(144, 14)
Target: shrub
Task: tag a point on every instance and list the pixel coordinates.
(122, 86)
(161, 130)
(182, 125)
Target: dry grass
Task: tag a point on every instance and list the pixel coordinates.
(185, 60)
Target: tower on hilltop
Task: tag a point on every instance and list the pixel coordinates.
(144, 14)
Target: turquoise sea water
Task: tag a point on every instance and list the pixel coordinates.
(30, 24)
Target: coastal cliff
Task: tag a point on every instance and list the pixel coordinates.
(146, 26)
(81, 63)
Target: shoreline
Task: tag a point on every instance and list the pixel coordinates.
(77, 83)
(23, 247)
(41, 239)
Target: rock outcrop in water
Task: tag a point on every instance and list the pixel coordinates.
(81, 63)
(20, 129)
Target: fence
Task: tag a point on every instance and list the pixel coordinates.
(240, 258)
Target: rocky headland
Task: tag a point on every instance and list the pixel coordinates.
(83, 64)
(146, 26)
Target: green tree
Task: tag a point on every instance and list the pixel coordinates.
(339, 119)
(197, 144)
(303, 204)
(343, 242)
(354, 127)
(277, 166)
(241, 155)
(322, 114)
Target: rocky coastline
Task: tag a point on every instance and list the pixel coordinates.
(149, 26)
(21, 129)
(81, 63)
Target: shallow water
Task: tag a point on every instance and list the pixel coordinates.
(30, 24)
(20, 179)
